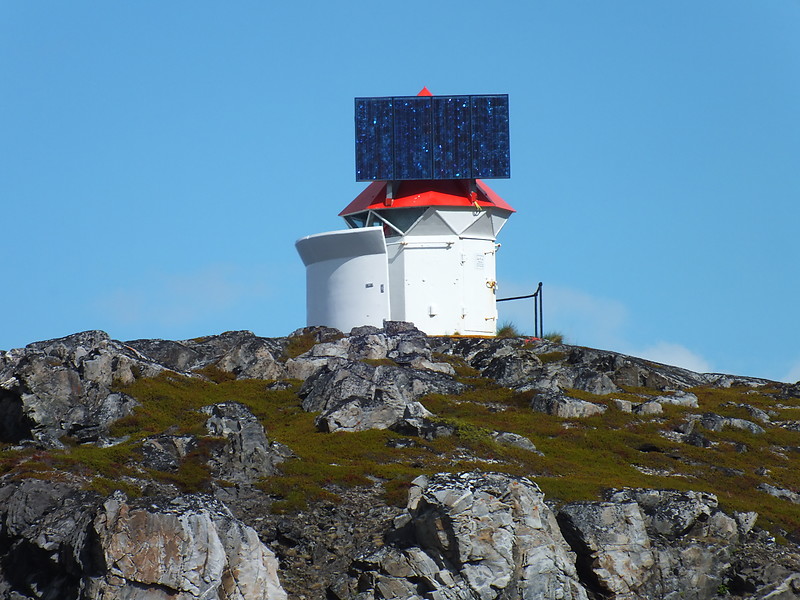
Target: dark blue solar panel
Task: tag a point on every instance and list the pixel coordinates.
(374, 139)
(413, 158)
(490, 148)
(432, 137)
(452, 138)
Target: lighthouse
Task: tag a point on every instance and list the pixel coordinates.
(422, 236)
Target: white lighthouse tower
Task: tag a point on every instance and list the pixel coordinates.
(421, 242)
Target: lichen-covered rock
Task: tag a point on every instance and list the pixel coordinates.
(63, 543)
(165, 452)
(183, 549)
(692, 541)
(354, 396)
(561, 405)
(612, 545)
(467, 536)
(397, 343)
(247, 455)
(240, 353)
(64, 387)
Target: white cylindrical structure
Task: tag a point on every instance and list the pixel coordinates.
(347, 279)
(442, 269)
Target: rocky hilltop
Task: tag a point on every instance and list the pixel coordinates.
(388, 464)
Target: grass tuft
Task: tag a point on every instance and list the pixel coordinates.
(507, 330)
(554, 336)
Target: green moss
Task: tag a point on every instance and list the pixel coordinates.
(396, 492)
(582, 457)
(459, 365)
(215, 374)
(302, 343)
(548, 357)
(106, 486)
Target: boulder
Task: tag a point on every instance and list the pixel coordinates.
(165, 452)
(65, 387)
(469, 536)
(564, 406)
(65, 543)
(651, 407)
(610, 539)
(507, 438)
(692, 541)
(247, 455)
(240, 353)
(355, 396)
(715, 422)
(679, 398)
(185, 548)
(398, 343)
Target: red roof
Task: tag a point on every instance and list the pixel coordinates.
(444, 192)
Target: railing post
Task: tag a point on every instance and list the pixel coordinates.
(538, 322)
(541, 310)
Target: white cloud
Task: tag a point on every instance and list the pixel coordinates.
(793, 375)
(594, 321)
(675, 355)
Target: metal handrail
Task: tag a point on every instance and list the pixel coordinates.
(538, 328)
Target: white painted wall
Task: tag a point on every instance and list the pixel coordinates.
(440, 274)
(347, 279)
(442, 271)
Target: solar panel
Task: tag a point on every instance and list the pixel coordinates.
(452, 150)
(374, 139)
(490, 137)
(432, 137)
(413, 138)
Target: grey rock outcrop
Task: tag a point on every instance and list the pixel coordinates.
(691, 538)
(561, 405)
(777, 492)
(715, 422)
(765, 570)
(61, 543)
(461, 536)
(507, 438)
(614, 552)
(247, 454)
(240, 353)
(165, 452)
(64, 387)
(397, 343)
(353, 396)
(652, 543)
(518, 364)
(469, 536)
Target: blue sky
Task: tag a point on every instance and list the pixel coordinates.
(159, 159)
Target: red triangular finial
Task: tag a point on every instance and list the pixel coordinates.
(425, 92)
